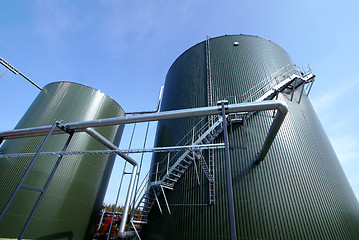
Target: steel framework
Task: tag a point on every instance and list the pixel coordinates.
(86, 126)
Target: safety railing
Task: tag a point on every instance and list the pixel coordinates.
(156, 172)
(161, 167)
(268, 83)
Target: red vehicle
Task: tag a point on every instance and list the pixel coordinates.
(102, 233)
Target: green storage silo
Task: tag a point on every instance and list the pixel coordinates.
(72, 202)
(299, 191)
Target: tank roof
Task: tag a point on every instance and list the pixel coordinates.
(83, 85)
(230, 35)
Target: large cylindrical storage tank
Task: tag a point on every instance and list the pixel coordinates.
(72, 202)
(299, 191)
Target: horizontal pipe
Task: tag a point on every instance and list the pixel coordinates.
(183, 113)
(28, 132)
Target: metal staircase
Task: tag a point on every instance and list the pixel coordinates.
(291, 79)
(174, 174)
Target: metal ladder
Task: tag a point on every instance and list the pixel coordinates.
(211, 186)
(42, 190)
(209, 74)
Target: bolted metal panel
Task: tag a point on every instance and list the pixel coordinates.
(73, 200)
(299, 191)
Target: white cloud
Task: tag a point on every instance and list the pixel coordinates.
(53, 18)
(326, 100)
(337, 109)
(346, 147)
(137, 24)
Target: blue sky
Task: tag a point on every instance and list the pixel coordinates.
(124, 48)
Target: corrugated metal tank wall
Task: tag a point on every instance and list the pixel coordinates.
(298, 192)
(73, 200)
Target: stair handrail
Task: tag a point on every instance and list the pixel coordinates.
(161, 172)
(277, 78)
(199, 133)
(148, 178)
(182, 139)
(143, 185)
(265, 85)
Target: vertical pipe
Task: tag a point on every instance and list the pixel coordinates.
(111, 146)
(101, 219)
(119, 188)
(232, 220)
(117, 197)
(133, 210)
(128, 201)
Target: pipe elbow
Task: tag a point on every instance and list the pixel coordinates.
(127, 234)
(282, 107)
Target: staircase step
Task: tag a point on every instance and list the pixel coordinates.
(218, 127)
(206, 141)
(144, 209)
(172, 180)
(186, 161)
(190, 157)
(168, 186)
(175, 175)
(148, 198)
(139, 222)
(209, 138)
(181, 166)
(178, 170)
